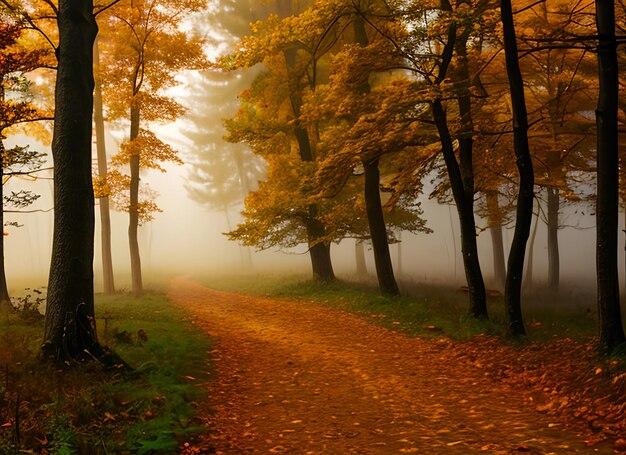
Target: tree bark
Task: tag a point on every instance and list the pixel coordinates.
(359, 253)
(463, 193)
(524, 213)
(610, 320)
(528, 281)
(373, 205)
(70, 330)
(133, 224)
(378, 231)
(5, 300)
(553, 238)
(497, 243)
(319, 250)
(105, 217)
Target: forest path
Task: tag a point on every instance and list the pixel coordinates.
(297, 378)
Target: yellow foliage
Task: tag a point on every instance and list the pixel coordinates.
(151, 150)
(116, 187)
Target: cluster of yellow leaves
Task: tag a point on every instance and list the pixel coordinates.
(18, 57)
(277, 212)
(151, 150)
(273, 35)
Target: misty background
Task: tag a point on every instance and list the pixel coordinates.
(187, 238)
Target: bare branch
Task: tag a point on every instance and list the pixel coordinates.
(29, 211)
(104, 8)
(30, 21)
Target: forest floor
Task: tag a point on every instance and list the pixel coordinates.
(296, 377)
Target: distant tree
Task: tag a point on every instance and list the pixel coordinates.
(105, 216)
(143, 48)
(16, 108)
(298, 69)
(289, 69)
(221, 173)
(461, 170)
(313, 100)
(560, 88)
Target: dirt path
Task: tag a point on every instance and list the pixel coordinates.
(297, 378)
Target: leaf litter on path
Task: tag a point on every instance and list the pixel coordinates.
(300, 379)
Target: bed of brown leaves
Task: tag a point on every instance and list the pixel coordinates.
(565, 379)
(293, 377)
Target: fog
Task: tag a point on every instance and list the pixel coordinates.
(188, 239)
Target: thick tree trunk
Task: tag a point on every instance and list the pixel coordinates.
(321, 263)
(553, 238)
(461, 173)
(5, 300)
(610, 319)
(133, 224)
(463, 193)
(524, 213)
(497, 243)
(105, 217)
(70, 330)
(319, 250)
(378, 231)
(359, 254)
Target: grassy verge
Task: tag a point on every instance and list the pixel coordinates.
(424, 309)
(87, 410)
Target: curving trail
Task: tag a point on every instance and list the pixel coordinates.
(297, 378)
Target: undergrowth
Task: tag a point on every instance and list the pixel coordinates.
(84, 409)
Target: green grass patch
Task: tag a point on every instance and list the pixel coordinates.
(87, 410)
(426, 309)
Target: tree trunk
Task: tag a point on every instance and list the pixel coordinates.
(463, 193)
(524, 213)
(378, 231)
(105, 217)
(246, 258)
(5, 300)
(528, 281)
(359, 253)
(399, 250)
(70, 331)
(497, 244)
(133, 224)
(610, 319)
(553, 238)
(319, 250)
(321, 263)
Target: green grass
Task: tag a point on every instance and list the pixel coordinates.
(88, 410)
(424, 309)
